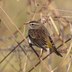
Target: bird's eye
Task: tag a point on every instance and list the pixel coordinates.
(32, 24)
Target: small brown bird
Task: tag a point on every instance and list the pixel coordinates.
(40, 36)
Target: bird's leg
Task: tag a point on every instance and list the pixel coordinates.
(50, 50)
(41, 53)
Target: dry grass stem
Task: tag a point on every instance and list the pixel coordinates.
(64, 57)
(19, 44)
(16, 52)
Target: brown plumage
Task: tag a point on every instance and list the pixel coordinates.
(40, 37)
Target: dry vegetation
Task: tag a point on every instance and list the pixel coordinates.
(15, 53)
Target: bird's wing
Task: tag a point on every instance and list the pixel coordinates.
(37, 37)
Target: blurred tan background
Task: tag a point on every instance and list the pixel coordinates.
(21, 11)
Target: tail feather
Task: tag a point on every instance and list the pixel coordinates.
(55, 50)
(52, 46)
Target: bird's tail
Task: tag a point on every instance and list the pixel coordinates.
(55, 50)
(52, 46)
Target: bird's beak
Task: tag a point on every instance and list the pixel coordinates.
(26, 23)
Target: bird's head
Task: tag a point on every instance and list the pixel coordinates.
(34, 24)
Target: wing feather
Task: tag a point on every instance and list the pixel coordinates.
(37, 38)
